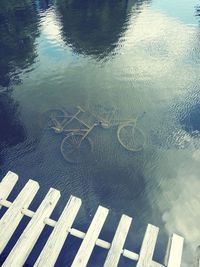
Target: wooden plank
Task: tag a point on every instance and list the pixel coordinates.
(88, 243)
(13, 215)
(148, 246)
(119, 239)
(175, 251)
(156, 264)
(130, 255)
(27, 240)
(7, 184)
(57, 238)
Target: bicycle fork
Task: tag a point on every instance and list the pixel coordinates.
(86, 134)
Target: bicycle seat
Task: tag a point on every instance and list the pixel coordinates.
(57, 130)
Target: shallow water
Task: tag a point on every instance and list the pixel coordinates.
(135, 56)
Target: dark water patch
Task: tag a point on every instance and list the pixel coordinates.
(191, 118)
(45, 4)
(2, 211)
(98, 257)
(68, 251)
(18, 30)
(12, 129)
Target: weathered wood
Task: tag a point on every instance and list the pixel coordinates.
(119, 239)
(13, 215)
(74, 232)
(7, 184)
(27, 240)
(5, 203)
(130, 255)
(91, 236)
(156, 264)
(57, 238)
(175, 251)
(148, 245)
(62, 228)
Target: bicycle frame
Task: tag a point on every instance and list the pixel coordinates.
(111, 122)
(78, 134)
(69, 118)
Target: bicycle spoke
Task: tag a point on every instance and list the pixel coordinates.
(69, 143)
(75, 148)
(74, 139)
(69, 151)
(126, 132)
(70, 146)
(77, 140)
(131, 137)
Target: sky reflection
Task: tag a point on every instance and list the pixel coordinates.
(146, 62)
(153, 69)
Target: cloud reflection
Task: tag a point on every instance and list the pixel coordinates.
(159, 59)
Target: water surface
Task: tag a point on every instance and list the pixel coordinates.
(135, 56)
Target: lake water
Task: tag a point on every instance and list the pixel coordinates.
(141, 57)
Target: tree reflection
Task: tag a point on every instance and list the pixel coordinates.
(18, 30)
(12, 132)
(45, 4)
(93, 27)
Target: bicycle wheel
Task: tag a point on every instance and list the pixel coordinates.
(131, 137)
(75, 149)
(53, 118)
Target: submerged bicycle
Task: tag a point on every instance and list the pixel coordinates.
(76, 144)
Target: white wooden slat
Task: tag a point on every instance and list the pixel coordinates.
(156, 264)
(5, 203)
(13, 215)
(148, 246)
(119, 239)
(27, 240)
(88, 243)
(175, 251)
(130, 255)
(7, 184)
(101, 243)
(57, 238)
